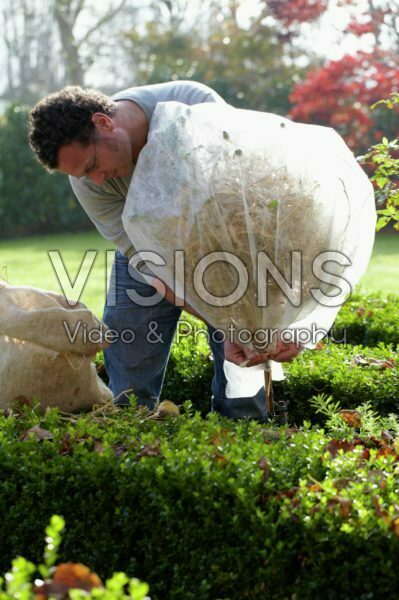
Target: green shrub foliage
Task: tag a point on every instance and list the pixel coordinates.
(350, 374)
(368, 320)
(350, 365)
(31, 201)
(206, 509)
(190, 369)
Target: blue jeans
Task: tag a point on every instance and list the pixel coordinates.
(136, 361)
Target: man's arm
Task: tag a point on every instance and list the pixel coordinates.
(104, 206)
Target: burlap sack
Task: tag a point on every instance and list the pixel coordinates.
(46, 349)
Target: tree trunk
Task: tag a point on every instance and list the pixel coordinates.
(70, 48)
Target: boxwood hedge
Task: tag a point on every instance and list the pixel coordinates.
(350, 374)
(368, 320)
(208, 509)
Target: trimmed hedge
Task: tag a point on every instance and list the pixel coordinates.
(190, 368)
(208, 509)
(350, 374)
(368, 320)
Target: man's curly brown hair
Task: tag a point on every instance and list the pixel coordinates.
(62, 118)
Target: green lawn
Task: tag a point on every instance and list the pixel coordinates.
(26, 261)
(383, 270)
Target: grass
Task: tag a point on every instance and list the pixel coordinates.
(382, 272)
(26, 262)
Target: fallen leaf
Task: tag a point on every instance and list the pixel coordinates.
(344, 504)
(377, 363)
(150, 450)
(365, 455)
(38, 433)
(335, 446)
(264, 466)
(119, 450)
(220, 459)
(20, 402)
(387, 437)
(315, 487)
(351, 417)
(218, 437)
(386, 451)
(216, 440)
(76, 575)
(290, 431)
(286, 493)
(378, 442)
(98, 446)
(380, 512)
(395, 525)
(342, 483)
(65, 447)
(67, 576)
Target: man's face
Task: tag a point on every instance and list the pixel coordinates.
(100, 160)
(109, 155)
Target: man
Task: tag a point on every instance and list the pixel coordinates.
(96, 140)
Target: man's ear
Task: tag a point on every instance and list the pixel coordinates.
(102, 122)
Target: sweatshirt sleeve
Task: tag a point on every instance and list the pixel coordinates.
(104, 207)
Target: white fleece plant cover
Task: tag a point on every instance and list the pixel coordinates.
(245, 184)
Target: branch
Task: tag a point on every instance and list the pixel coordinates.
(78, 10)
(62, 15)
(107, 17)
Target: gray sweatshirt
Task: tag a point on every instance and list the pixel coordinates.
(104, 203)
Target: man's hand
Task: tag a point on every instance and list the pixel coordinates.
(241, 355)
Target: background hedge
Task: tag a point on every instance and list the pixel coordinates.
(46, 204)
